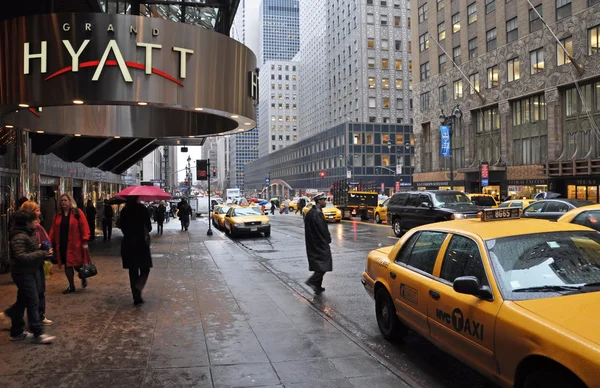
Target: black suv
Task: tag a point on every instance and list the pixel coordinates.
(409, 209)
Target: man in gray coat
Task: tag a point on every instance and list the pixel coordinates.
(317, 239)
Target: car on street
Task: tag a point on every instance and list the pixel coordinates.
(381, 211)
(246, 219)
(516, 300)
(330, 212)
(219, 215)
(553, 209)
(293, 205)
(484, 201)
(586, 215)
(409, 209)
(517, 203)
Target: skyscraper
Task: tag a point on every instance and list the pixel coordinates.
(279, 30)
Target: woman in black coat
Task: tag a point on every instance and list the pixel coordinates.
(159, 216)
(135, 247)
(90, 215)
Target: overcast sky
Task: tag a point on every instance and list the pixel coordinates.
(195, 152)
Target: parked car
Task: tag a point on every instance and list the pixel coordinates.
(381, 211)
(553, 209)
(517, 203)
(484, 201)
(410, 209)
(586, 215)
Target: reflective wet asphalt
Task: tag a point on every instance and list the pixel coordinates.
(345, 299)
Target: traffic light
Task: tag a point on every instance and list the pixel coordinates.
(322, 174)
(214, 172)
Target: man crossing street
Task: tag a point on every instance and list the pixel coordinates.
(317, 239)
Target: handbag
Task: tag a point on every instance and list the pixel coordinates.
(88, 269)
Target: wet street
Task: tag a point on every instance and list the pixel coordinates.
(345, 299)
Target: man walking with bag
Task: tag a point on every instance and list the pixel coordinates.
(317, 239)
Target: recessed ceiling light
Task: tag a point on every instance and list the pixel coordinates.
(23, 106)
(235, 116)
(78, 102)
(39, 131)
(191, 136)
(198, 108)
(117, 137)
(142, 103)
(77, 134)
(247, 123)
(9, 126)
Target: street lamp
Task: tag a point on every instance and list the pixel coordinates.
(450, 121)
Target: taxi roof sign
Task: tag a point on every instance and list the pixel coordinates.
(508, 213)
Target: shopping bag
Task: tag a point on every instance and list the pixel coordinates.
(47, 268)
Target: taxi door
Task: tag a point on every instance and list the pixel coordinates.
(461, 324)
(411, 276)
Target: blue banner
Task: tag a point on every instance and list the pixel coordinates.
(445, 143)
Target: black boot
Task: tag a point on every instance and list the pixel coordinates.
(69, 290)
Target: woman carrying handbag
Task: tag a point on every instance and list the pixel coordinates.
(69, 235)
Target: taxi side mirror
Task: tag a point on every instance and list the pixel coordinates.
(470, 285)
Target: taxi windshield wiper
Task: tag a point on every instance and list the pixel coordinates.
(547, 288)
(593, 284)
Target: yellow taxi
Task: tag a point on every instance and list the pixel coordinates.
(517, 301)
(293, 205)
(246, 219)
(521, 203)
(330, 212)
(483, 200)
(586, 215)
(219, 215)
(381, 211)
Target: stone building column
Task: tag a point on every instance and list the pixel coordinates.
(468, 130)
(505, 131)
(554, 116)
(419, 150)
(437, 162)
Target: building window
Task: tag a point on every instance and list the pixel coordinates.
(371, 43)
(424, 42)
(490, 38)
(472, 48)
(490, 6)
(398, 45)
(399, 103)
(398, 83)
(488, 120)
(384, 45)
(396, 21)
(424, 101)
(512, 30)
(458, 89)
(383, 20)
(594, 40)
(440, 5)
(385, 63)
(514, 69)
(442, 63)
(493, 78)
(535, 23)
(424, 71)
(371, 63)
(537, 60)
(529, 110)
(370, 18)
(408, 22)
(371, 82)
(474, 83)
(456, 55)
(563, 9)
(372, 103)
(398, 64)
(455, 23)
(396, 3)
(385, 83)
(422, 13)
(472, 13)
(561, 55)
(386, 102)
(443, 94)
(442, 31)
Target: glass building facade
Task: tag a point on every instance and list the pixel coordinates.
(280, 30)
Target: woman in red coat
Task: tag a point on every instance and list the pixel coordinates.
(69, 236)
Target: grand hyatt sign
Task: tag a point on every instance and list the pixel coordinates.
(111, 48)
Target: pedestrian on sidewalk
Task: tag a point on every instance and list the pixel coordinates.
(185, 212)
(286, 206)
(160, 217)
(272, 208)
(135, 247)
(301, 205)
(107, 220)
(69, 235)
(90, 214)
(317, 240)
(26, 260)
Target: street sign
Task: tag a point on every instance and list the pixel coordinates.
(398, 169)
(267, 181)
(383, 187)
(201, 170)
(485, 182)
(397, 186)
(445, 136)
(485, 170)
(157, 180)
(348, 174)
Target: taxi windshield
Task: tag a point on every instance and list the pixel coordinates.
(544, 265)
(329, 204)
(451, 198)
(223, 209)
(246, 211)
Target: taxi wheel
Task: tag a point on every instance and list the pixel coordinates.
(397, 226)
(267, 233)
(389, 325)
(377, 218)
(555, 377)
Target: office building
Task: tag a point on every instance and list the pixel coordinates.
(279, 30)
(278, 106)
(522, 118)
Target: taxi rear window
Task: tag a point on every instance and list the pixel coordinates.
(557, 259)
(483, 201)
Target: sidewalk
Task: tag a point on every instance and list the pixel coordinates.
(213, 317)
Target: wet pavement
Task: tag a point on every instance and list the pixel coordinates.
(347, 303)
(214, 316)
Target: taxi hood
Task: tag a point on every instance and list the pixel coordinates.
(577, 313)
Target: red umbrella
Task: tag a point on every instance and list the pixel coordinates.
(145, 193)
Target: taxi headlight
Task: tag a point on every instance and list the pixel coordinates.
(265, 223)
(458, 216)
(239, 225)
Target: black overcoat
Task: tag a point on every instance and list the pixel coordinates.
(317, 238)
(135, 224)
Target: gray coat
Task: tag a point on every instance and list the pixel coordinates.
(317, 239)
